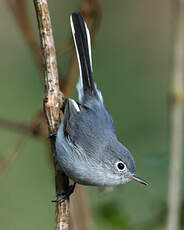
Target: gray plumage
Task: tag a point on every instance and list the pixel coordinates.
(87, 147)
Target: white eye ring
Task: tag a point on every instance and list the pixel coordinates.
(120, 166)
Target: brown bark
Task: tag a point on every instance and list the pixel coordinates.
(52, 102)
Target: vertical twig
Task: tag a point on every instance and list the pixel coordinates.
(81, 220)
(174, 195)
(52, 102)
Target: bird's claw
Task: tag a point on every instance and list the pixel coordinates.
(61, 199)
(52, 136)
(65, 195)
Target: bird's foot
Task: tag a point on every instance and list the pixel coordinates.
(52, 136)
(66, 194)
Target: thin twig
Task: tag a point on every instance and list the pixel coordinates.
(15, 125)
(36, 129)
(11, 155)
(52, 102)
(19, 11)
(174, 194)
(64, 47)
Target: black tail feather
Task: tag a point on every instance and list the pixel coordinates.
(82, 42)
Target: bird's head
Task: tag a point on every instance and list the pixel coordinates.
(121, 164)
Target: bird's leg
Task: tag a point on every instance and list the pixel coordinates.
(66, 194)
(52, 135)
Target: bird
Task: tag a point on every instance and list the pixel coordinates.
(87, 148)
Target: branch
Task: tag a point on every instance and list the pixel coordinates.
(16, 126)
(19, 11)
(52, 103)
(11, 155)
(63, 48)
(81, 220)
(91, 10)
(174, 193)
(36, 128)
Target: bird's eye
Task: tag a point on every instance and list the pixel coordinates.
(120, 166)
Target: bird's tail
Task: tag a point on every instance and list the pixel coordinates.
(86, 85)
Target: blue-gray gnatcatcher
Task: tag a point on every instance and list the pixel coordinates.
(87, 147)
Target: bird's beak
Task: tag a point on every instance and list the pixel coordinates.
(136, 178)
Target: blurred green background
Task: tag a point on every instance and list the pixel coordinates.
(132, 59)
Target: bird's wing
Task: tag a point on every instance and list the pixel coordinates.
(86, 127)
